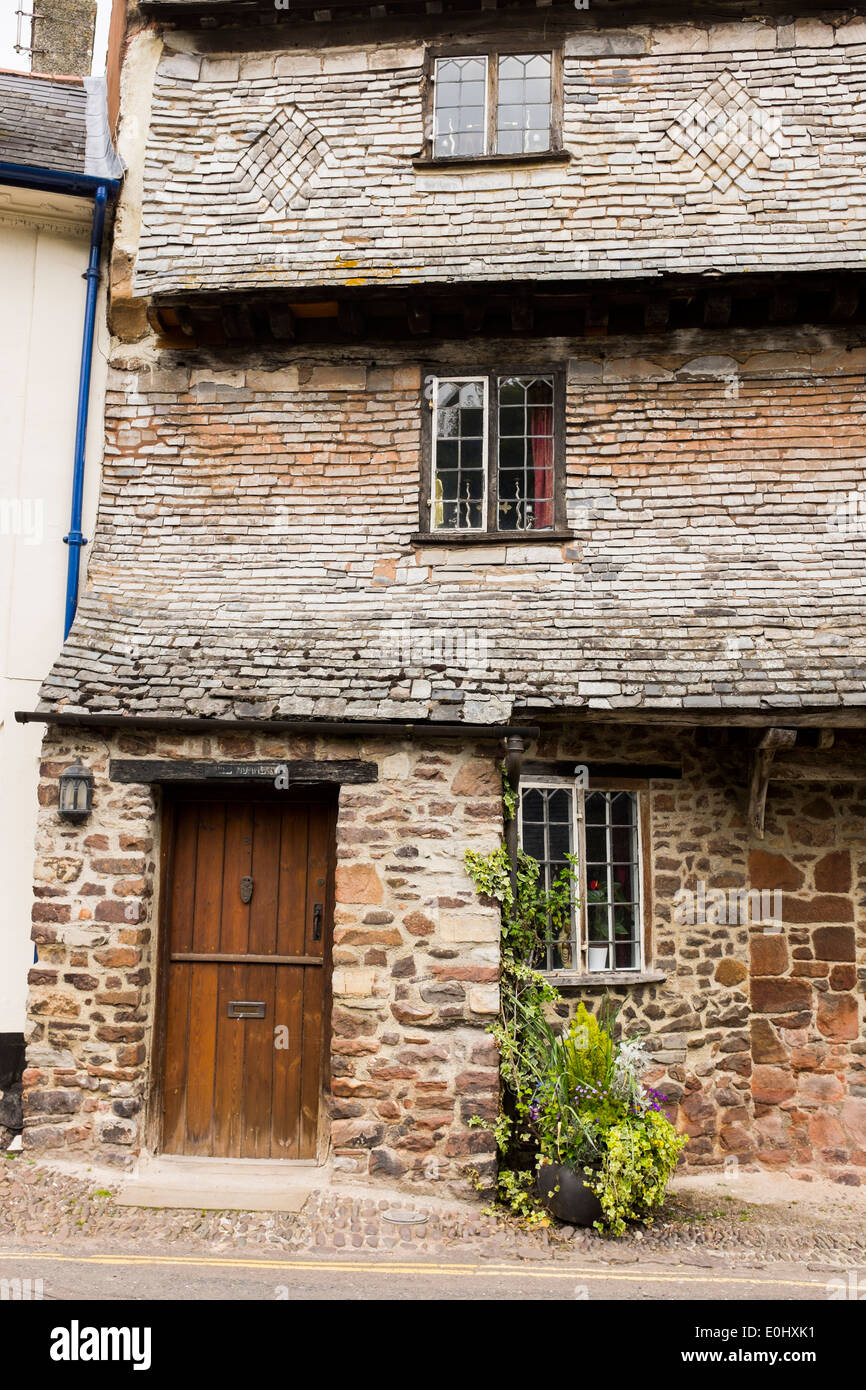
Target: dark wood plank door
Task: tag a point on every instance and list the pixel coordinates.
(247, 918)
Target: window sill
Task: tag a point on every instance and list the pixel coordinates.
(491, 161)
(491, 537)
(602, 979)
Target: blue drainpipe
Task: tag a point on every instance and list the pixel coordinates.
(74, 539)
(100, 190)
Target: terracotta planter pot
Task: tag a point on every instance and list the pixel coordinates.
(573, 1202)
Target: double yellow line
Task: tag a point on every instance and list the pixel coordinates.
(373, 1266)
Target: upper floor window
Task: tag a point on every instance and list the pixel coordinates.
(493, 104)
(495, 450)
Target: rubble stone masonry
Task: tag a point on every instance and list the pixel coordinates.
(756, 1032)
(415, 956)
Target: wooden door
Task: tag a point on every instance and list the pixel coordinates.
(247, 920)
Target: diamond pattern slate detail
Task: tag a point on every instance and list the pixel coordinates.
(283, 159)
(725, 133)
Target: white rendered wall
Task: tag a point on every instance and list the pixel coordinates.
(44, 245)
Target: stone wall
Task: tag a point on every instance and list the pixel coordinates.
(757, 1032)
(63, 36)
(415, 960)
(295, 165)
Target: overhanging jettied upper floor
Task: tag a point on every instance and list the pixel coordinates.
(289, 156)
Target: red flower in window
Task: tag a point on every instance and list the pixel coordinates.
(593, 883)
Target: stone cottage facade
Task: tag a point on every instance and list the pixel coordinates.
(487, 385)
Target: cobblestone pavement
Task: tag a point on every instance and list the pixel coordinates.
(816, 1228)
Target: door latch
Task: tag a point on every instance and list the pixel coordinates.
(246, 889)
(317, 922)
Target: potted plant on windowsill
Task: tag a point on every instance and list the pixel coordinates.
(606, 1150)
(601, 953)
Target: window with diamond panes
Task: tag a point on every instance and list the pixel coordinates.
(494, 454)
(459, 447)
(523, 107)
(460, 107)
(501, 105)
(525, 477)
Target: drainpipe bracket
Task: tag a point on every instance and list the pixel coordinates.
(75, 538)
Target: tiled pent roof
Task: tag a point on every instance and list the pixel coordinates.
(43, 121)
(58, 123)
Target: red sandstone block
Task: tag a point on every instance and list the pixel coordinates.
(129, 887)
(108, 911)
(834, 943)
(818, 908)
(116, 956)
(118, 866)
(441, 1120)
(833, 872)
(838, 1016)
(135, 842)
(477, 974)
(436, 1102)
(42, 977)
(773, 871)
(774, 996)
(843, 977)
(477, 1081)
(347, 1088)
(120, 1032)
(820, 1088)
(50, 912)
(476, 1141)
(769, 954)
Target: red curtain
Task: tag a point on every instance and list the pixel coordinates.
(542, 462)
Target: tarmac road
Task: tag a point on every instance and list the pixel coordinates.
(106, 1277)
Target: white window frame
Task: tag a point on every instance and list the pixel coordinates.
(580, 938)
(434, 470)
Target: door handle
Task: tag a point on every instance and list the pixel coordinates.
(317, 922)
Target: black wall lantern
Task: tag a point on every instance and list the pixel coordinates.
(75, 795)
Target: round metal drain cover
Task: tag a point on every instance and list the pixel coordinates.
(404, 1218)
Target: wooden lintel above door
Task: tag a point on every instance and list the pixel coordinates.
(298, 771)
